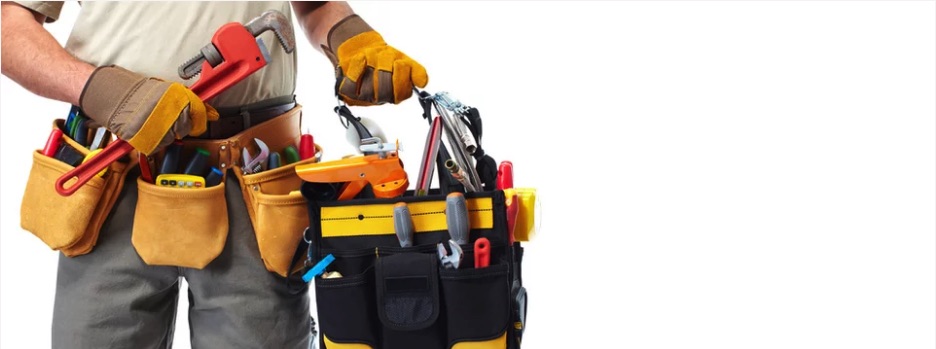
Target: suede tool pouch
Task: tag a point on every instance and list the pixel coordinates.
(278, 212)
(180, 227)
(69, 224)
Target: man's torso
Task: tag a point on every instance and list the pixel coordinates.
(155, 38)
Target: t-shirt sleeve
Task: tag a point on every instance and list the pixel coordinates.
(51, 9)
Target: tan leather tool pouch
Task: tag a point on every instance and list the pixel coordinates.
(179, 227)
(69, 224)
(277, 210)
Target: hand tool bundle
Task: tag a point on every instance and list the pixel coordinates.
(422, 268)
(235, 52)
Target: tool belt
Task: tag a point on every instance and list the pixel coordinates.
(236, 119)
(179, 226)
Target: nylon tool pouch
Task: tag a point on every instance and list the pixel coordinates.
(392, 297)
(69, 224)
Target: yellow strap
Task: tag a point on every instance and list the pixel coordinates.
(332, 345)
(160, 119)
(363, 220)
(498, 343)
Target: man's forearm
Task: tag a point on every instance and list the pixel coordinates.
(317, 18)
(35, 60)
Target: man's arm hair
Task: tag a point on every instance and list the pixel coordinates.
(318, 17)
(34, 59)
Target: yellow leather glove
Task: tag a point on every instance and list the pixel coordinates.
(147, 112)
(369, 71)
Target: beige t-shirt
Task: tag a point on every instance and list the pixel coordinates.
(155, 38)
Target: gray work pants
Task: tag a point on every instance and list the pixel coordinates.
(110, 298)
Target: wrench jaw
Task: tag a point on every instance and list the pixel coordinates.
(450, 261)
(269, 20)
(279, 24)
(256, 164)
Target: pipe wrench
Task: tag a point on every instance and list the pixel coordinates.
(234, 53)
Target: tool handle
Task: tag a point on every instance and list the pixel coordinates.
(89, 169)
(482, 253)
(505, 175)
(403, 224)
(52, 143)
(456, 216)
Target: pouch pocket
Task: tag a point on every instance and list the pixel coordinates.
(477, 306)
(179, 227)
(408, 301)
(281, 219)
(347, 311)
(69, 224)
(279, 214)
(59, 221)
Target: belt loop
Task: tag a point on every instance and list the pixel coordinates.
(245, 114)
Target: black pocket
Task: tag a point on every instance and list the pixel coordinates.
(347, 310)
(408, 301)
(477, 305)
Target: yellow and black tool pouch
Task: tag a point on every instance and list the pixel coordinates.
(389, 297)
(69, 224)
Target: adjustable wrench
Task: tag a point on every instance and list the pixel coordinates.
(255, 164)
(234, 53)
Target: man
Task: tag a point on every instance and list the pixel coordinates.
(120, 66)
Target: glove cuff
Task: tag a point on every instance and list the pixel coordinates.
(346, 29)
(106, 90)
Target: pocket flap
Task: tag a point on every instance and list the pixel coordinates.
(408, 291)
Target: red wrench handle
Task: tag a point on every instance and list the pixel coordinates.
(242, 57)
(90, 168)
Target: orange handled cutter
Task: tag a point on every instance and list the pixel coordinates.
(384, 172)
(234, 53)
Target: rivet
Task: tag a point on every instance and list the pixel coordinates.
(223, 165)
(256, 187)
(223, 147)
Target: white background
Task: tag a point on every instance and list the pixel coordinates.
(712, 174)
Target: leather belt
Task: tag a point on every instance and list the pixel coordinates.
(234, 120)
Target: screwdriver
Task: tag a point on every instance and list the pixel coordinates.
(456, 216)
(403, 224)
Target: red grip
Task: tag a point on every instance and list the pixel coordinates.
(482, 252)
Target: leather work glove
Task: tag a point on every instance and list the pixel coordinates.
(369, 71)
(147, 112)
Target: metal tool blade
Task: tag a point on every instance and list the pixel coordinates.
(263, 49)
(191, 67)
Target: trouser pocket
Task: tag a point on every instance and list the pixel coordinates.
(477, 306)
(69, 224)
(180, 227)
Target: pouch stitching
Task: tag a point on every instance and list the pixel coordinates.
(391, 216)
(501, 332)
(188, 194)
